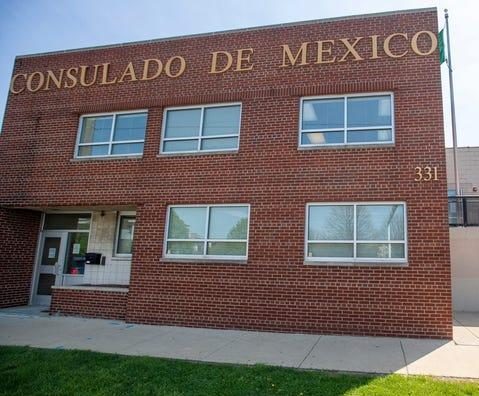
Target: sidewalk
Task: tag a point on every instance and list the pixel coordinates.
(458, 358)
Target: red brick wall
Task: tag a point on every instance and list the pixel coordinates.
(18, 241)
(89, 303)
(274, 290)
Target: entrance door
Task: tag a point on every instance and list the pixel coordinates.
(50, 265)
(61, 262)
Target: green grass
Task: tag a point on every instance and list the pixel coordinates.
(29, 371)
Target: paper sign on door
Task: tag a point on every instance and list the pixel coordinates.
(52, 253)
(76, 248)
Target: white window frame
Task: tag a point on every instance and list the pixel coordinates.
(345, 128)
(354, 260)
(111, 142)
(200, 136)
(117, 233)
(205, 240)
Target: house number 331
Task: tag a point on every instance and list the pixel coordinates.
(425, 173)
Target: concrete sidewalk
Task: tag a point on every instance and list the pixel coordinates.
(458, 358)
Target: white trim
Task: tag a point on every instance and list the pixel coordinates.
(345, 128)
(200, 136)
(109, 143)
(117, 233)
(354, 260)
(36, 269)
(205, 240)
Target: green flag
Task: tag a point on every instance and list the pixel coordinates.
(442, 49)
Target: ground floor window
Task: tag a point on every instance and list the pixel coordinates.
(355, 232)
(207, 231)
(67, 221)
(76, 248)
(126, 230)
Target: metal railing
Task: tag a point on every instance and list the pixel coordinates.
(464, 211)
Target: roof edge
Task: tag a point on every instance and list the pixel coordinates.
(221, 32)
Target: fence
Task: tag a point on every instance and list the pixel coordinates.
(464, 211)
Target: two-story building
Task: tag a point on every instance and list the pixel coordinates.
(285, 178)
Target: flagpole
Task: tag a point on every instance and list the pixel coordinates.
(453, 107)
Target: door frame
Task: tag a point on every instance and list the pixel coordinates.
(57, 271)
(39, 249)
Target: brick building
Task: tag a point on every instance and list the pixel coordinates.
(285, 178)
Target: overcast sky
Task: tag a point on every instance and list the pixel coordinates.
(32, 26)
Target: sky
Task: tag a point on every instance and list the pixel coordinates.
(34, 26)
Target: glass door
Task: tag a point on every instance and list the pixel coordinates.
(50, 265)
(74, 267)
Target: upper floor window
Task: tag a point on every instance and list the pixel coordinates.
(355, 232)
(345, 120)
(207, 231)
(114, 134)
(201, 129)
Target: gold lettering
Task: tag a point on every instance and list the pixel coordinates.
(325, 51)
(146, 69)
(433, 47)
(51, 77)
(387, 48)
(244, 58)
(41, 80)
(418, 171)
(302, 52)
(214, 62)
(72, 77)
(104, 75)
(350, 49)
(427, 173)
(12, 83)
(129, 72)
(180, 70)
(374, 47)
(83, 73)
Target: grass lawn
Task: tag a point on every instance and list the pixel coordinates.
(29, 371)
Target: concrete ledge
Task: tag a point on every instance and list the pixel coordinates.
(356, 264)
(347, 146)
(201, 261)
(202, 153)
(94, 288)
(109, 158)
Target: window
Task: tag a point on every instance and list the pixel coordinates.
(67, 221)
(345, 120)
(356, 232)
(108, 135)
(126, 230)
(201, 129)
(213, 231)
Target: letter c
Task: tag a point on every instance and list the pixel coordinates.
(387, 50)
(12, 84)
